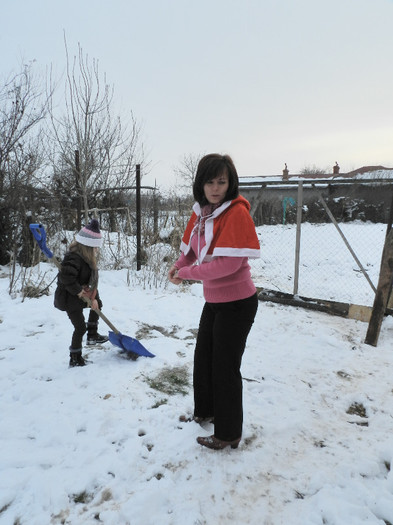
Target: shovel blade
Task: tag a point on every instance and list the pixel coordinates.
(129, 344)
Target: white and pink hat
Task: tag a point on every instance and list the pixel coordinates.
(90, 235)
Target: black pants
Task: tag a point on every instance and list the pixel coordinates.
(77, 319)
(218, 387)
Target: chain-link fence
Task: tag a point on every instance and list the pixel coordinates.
(332, 254)
(326, 270)
(304, 251)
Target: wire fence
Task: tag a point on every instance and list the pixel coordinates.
(326, 268)
(302, 253)
(330, 257)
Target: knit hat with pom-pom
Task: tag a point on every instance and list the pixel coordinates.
(90, 235)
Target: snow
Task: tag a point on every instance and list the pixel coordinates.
(99, 444)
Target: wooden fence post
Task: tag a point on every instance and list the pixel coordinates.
(382, 293)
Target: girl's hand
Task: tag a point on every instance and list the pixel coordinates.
(94, 305)
(89, 296)
(173, 275)
(89, 293)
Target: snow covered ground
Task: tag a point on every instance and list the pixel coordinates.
(101, 444)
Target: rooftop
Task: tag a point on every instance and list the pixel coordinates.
(364, 173)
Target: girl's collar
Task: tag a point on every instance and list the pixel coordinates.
(210, 210)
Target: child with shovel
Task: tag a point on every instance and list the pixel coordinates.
(78, 279)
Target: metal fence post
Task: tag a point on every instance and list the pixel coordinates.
(298, 234)
(138, 217)
(155, 212)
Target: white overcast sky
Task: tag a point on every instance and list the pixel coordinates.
(302, 82)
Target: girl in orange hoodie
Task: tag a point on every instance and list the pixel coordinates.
(218, 241)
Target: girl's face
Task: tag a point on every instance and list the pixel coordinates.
(216, 189)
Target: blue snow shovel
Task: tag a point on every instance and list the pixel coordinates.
(129, 344)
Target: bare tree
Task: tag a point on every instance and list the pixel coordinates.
(22, 109)
(186, 171)
(106, 149)
(313, 170)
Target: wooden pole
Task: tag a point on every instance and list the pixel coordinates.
(382, 293)
(78, 191)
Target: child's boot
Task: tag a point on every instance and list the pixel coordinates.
(76, 358)
(93, 337)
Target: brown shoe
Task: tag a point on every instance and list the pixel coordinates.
(217, 444)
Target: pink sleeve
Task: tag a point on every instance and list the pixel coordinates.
(218, 267)
(186, 260)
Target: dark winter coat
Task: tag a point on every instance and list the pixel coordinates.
(75, 273)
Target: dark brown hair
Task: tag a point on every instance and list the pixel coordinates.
(212, 166)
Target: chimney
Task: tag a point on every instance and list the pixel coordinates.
(285, 173)
(336, 169)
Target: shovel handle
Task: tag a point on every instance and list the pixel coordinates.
(104, 318)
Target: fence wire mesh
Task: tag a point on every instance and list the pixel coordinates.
(327, 270)
(339, 244)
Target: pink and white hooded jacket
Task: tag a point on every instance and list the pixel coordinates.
(219, 256)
